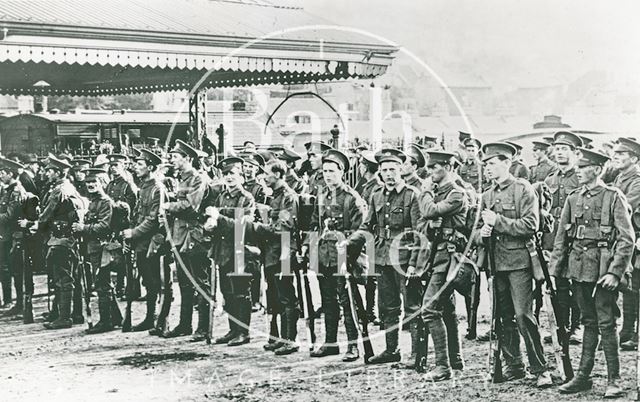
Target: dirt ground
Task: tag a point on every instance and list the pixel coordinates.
(68, 365)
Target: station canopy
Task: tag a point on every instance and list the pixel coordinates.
(107, 47)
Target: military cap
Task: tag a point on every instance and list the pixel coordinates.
(30, 158)
(80, 163)
(415, 152)
(149, 157)
(548, 140)
(369, 157)
(542, 145)
(289, 155)
(472, 141)
(117, 158)
(268, 154)
(57, 164)
(229, 163)
(317, 146)
(441, 158)
(493, 149)
(101, 160)
(567, 138)
(586, 142)
(463, 136)
(390, 155)
(254, 159)
(429, 138)
(8, 164)
(65, 157)
(517, 146)
(201, 154)
(591, 158)
(337, 157)
(184, 149)
(627, 145)
(92, 174)
(362, 147)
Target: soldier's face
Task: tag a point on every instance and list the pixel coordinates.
(538, 154)
(438, 172)
(141, 169)
(92, 186)
(233, 177)
(496, 167)
(622, 160)
(390, 172)
(564, 154)
(407, 167)
(79, 175)
(52, 174)
(472, 150)
(587, 174)
(249, 170)
(315, 159)
(331, 173)
(178, 160)
(5, 177)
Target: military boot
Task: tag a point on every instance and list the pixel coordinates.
(104, 309)
(76, 315)
(438, 333)
(391, 354)
(290, 333)
(231, 310)
(453, 340)
(17, 308)
(629, 315)
(53, 314)
(186, 315)
(414, 329)
(114, 310)
(6, 292)
(330, 346)
(27, 311)
(244, 315)
(611, 354)
(149, 318)
(203, 321)
(64, 308)
(614, 389)
(582, 381)
(275, 340)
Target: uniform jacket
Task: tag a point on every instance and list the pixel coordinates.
(257, 189)
(392, 214)
(29, 183)
(598, 247)
(471, 172)
(97, 221)
(628, 182)
(414, 180)
(561, 184)
(542, 170)
(119, 189)
(11, 200)
(316, 183)
(295, 182)
(516, 204)
(369, 187)
(61, 207)
(518, 169)
(187, 231)
(145, 215)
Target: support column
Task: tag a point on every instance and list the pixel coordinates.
(197, 117)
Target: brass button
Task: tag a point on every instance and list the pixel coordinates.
(584, 248)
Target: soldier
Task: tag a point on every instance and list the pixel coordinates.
(518, 169)
(510, 214)
(121, 189)
(392, 218)
(189, 238)
(339, 213)
(12, 197)
(415, 160)
(594, 250)
(471, 170)
(281, 218)
(78, 175)
(293, 181)
(625, 159)
(29, 177)
(444, 208)
(94, 229)
(235, 280)
(543, 167)
(145, 234)
(561, 184)
(62, 206)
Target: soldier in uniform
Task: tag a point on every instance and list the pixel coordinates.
(625, 159)
(415, 160)
(444, 208)
(61, 207)
(78, 175)
(562, 183)
(145, 234)
(121, 188)
(12, 197)
(518, 169)
(293, 181)
(510, 215)
(594, 250)
(392, 219)
(543, 167)
(93, 230)
(29, 177)
(471, 170)
(339, 213)
(188, 236)
(235, 203)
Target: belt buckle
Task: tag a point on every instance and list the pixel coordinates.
(580, 232)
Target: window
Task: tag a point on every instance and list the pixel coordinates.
(302, 119)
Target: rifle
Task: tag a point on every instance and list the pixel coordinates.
(82, 267)
(214, 301)
(27, 285)
(166, 296)
(358, 313)
(307, 300)
(559, 334)
(129, 261)
(496, 323)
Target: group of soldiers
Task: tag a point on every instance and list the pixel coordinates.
(420, 226)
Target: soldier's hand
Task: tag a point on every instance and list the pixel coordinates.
(341, 247)
(212, 212)
(127, 233)
(210, 224)
(411, 272)
(23, 223)
(609, 282)
(486, 231)
(489, 217)
(77, 227)
(303, 253)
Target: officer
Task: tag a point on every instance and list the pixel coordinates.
(471, 170)
(594, 250)
(444, 209)
(392, 219)
(121, 188)
(518, 169)
(339, 213)
(188, 237)
(415, 160)
(625, 159)
(510, 215)
(235, 203)
(146, 234)
(93, 230)
(543, 167)
(61, 207)
(12, 197)
(282, 210)
(561, 184)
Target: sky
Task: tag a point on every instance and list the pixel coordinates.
(509, 43)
